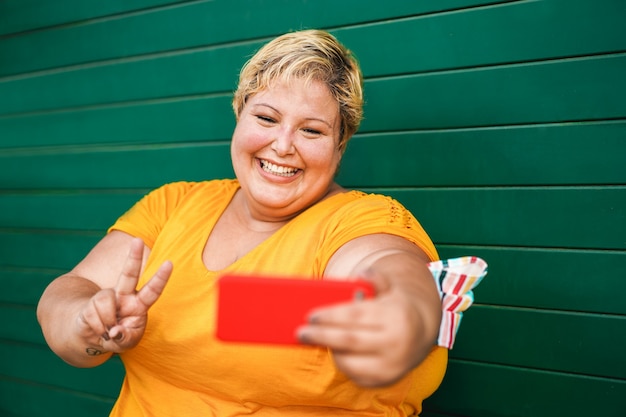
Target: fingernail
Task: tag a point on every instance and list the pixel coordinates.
(303, 337)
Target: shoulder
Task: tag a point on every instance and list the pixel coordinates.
(149, 215)
(185, 187)
(176, 192)
(377, 206)
(367, 217)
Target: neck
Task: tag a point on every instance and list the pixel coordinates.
(270, 219)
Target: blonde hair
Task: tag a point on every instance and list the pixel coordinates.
(309, 55)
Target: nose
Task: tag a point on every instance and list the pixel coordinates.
(283, 143)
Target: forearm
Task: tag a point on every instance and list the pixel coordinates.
(59, 313)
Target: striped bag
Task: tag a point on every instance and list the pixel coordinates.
(455, 280)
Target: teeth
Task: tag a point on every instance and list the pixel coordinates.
(277, 170)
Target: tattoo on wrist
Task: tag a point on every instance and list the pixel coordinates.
(93, 351)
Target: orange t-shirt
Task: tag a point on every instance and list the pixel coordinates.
(180, 369)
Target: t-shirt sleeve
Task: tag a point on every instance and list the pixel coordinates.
(148, 216)
(372, 214)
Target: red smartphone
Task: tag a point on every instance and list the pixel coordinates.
(262, 309)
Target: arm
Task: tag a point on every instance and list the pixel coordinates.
(376, 342)
(94, 310)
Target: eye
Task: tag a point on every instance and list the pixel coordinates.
(311, 132)
(265, 119)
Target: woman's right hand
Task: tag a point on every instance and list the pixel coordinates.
(114, 319)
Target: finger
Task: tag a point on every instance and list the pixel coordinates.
(131, 269)
(116, 338)
(126, 334)
(341, 339)
(153, 289)
(90, 325)
(93, 317)
(105, 305)
(355, 314)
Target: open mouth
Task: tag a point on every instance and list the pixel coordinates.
(274, 169)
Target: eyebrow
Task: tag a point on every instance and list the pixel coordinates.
(307, 118)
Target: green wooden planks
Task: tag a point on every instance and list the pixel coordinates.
(26, 399)
(154, 78)
(428, 413)
(24, 286)
(574, 280)
(19, 323)
(180, 120)
(70, 211)
(577, 89)
(487, 390)
(557, 341)
(436, 37)
(205, 23)
(26, 365)
(128, 167)
(543, 216)
(489, 35)
(25, 15)
(58, 250)
(556, 154)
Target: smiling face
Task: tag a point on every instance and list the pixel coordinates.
(285, 148)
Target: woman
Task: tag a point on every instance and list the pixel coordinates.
(298, 102)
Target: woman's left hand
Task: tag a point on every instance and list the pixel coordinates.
(375, 342)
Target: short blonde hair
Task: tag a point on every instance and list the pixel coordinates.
(309, 55)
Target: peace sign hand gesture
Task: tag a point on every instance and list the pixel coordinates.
(115, 318)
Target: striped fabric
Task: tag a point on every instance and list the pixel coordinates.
(455, 280)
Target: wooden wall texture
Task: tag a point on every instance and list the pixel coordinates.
(500, 124)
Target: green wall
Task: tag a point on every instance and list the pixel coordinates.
(500, 124)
